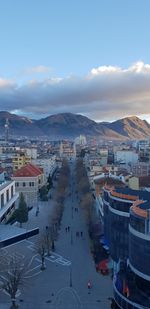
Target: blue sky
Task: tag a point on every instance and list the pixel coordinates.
(62, 41)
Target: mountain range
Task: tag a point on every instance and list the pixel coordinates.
(68, 125)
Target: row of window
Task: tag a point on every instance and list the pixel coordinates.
(24, 184)
(7, 196)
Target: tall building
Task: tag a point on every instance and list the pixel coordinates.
(127, 231)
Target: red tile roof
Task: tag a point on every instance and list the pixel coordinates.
(28, 170)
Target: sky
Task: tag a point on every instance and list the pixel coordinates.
(90, 57)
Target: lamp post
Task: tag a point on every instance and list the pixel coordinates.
(70, 281)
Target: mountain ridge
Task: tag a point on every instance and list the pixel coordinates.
(69, 125)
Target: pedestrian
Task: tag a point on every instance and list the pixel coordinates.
(89, 285)
(68, 228)
(81, 233)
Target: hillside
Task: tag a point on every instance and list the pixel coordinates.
(68, 125)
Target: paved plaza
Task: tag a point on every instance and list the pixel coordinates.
(63, 284)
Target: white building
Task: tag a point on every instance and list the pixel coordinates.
(31, 152)
(127, 157)
(8, 198)
(48, 165)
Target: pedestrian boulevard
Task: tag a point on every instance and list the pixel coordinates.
(64, 283)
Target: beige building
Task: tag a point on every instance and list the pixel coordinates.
(28, 180)
(19, 160)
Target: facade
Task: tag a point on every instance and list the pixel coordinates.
(19, 160)
(31, 152)
(126, 157)
(48, 165)
(28, 180)
(127, 229)
(8, 199)
(140, 169)
(67, 150)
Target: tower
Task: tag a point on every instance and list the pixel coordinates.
(6, 130)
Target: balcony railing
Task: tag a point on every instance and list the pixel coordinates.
(124, 302)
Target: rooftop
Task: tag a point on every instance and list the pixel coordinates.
(28, 170)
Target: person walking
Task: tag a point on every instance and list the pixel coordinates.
(89, 285)
(81, 233)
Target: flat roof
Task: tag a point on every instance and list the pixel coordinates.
(10, 234)
(4, 184)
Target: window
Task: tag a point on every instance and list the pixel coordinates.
(7, 195)
(17, 184)
(24, 184)
(2, 200)
(12, 191)
(32, 184)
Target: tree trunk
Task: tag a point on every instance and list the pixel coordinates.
(14, 306)
(43, 264)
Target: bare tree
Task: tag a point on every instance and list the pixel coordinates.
(48, 239)
(41, 249)
(12, 276)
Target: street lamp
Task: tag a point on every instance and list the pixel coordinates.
(70, 281)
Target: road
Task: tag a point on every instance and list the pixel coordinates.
(63, 284)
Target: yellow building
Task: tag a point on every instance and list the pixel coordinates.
(20, 160)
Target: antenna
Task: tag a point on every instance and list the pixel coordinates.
(6, 130)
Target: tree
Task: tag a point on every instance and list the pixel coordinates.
(12, 276)
(22, 211)
(49, 182)
(41, 247)
(43, 193)
(48, 239)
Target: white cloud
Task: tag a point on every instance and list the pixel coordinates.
(106, 92)
(38, 70)
(6, 83)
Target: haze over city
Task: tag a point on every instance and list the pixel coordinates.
(90, 58)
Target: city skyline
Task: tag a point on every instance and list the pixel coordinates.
(87, 58)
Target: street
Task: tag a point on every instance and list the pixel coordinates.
(64, 283)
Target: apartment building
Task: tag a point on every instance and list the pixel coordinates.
(19, 160)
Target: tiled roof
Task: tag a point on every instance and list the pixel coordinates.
(28, 170)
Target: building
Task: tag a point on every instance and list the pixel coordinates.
(8, 199)
(140, 169)
(127, 231)
(48, 165)
(31, 152)
(126, 157)
(19, 160)
(28, 180)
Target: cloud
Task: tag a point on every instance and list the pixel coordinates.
(105, 93)
(38, 70)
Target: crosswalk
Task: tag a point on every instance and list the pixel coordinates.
(54, 257)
